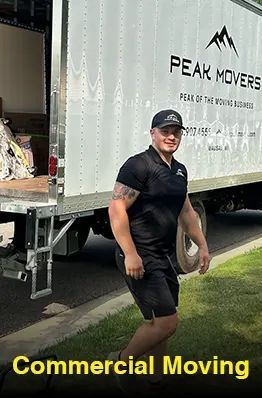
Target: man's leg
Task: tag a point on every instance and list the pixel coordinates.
(149, 336)
(158, 353)
(154, 297)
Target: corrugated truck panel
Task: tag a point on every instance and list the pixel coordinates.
(128, 60)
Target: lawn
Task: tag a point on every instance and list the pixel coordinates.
(220, 315)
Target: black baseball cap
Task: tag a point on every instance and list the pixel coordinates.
(167, 117)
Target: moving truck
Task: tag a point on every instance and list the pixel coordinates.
(114, 65)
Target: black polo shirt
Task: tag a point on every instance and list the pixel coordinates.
(153, 216)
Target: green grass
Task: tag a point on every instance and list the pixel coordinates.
(220, 314)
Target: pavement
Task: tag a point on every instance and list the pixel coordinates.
(30, 340)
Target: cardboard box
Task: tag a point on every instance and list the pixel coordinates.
(34, 125)
(24, 141)
(39, 147)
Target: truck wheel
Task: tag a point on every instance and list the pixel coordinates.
(187, 250)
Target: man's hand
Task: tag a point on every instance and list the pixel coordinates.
(204, 259)
(134, 266)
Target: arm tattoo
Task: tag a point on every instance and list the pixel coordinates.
(122, 191)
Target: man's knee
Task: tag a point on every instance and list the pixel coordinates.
(166, 325)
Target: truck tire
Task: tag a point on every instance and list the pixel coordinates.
(187, 250)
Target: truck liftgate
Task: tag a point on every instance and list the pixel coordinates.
(39, 247)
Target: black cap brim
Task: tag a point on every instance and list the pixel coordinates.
(171, 123)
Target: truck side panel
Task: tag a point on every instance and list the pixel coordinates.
(127, 61)
(106, 81)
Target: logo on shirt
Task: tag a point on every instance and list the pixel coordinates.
(180, 173)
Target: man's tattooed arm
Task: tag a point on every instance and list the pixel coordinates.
(124, 192)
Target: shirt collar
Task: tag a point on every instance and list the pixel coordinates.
(157, 158)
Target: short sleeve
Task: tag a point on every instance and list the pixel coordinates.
(133, 173)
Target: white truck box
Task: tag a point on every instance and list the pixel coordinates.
(133, 59)
(113, 67)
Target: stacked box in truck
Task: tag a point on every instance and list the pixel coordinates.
(131, 60)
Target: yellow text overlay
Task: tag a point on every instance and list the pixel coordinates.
(171, 366)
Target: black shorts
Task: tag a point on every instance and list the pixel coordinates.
(156, 294)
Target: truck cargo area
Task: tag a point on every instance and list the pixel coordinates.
(31, 189)
(25, 73)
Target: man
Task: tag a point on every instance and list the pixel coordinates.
(149, 199)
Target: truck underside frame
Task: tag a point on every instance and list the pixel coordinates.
(39, 249)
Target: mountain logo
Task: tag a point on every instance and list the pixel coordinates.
(219, 38)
